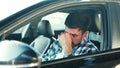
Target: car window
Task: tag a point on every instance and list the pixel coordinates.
(33, 29)
(57, 20)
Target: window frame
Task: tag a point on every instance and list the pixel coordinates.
(103, 29)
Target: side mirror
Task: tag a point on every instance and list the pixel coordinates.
(15, 54)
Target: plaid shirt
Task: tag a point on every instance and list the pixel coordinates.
(55, 50)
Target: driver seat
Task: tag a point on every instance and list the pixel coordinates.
(45, 34)
(45, 29)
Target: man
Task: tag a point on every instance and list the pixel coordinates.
(73, 41)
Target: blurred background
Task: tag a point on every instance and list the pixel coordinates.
(9, 7)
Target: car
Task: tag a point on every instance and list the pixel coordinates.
(39, 25)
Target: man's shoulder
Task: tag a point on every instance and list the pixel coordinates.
(87, 42)
(90, 44)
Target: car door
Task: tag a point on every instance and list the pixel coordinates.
(103, 30)
(108, 56)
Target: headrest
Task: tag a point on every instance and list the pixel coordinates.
(95, 24)
(44, 28)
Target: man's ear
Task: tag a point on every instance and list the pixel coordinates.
(85, 34)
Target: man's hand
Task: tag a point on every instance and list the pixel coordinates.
(66, 43)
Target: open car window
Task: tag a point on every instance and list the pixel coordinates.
(30, 31)
(57, 20)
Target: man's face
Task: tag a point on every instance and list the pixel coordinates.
(77, 35)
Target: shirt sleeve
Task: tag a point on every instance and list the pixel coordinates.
(51, 53)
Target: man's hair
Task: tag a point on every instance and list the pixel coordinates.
(79, 20)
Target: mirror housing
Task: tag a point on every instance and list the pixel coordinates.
(15, 54)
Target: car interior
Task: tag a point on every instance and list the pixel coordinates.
(40, 33)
